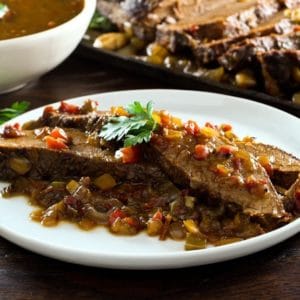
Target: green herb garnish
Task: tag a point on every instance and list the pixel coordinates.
(3, 10)
(15, 110)
(136, 129)
(100, 22)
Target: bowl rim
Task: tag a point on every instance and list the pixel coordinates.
(88, 6)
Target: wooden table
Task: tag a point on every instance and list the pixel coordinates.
(271, 274)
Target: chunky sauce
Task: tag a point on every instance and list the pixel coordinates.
(32, 16)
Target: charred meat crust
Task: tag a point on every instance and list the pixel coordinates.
(278, 67)
(242, 55)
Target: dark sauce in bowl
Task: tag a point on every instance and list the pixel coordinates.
(20, 18)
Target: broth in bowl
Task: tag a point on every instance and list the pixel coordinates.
(19, 17)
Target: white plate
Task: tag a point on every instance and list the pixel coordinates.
(101, 249)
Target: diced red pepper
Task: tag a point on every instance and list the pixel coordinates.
(116, 213)
(130, 154)
(226, 127)
(226, 150)
(201, 152)
(157, 216)
(53, 143)
(69, 108)
(192, 127)
(12, 131)
(59, 133)
(48, 110)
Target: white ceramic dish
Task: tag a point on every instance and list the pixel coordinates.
(26, 58)
(100, 248)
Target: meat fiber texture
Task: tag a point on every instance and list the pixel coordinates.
(81, 159)
(177, 161)
(242, 55)
(174, 158)
(278, 69)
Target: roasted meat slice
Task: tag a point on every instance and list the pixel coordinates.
(283, 167)
(206, 53)
(231, 19)
(216, 167)
(280, 69)
(30, 155)
(244, 54)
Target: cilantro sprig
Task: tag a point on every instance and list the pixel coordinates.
(13, 111)
(135, 129)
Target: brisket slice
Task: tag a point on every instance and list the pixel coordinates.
(278, 69)
(81, 159)
(244, 54)
(228, 21)
(206, 53)
(286, 167)
(146, 17)
(177, 161)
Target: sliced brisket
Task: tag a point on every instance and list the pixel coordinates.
(229, 20)
(280, 69)
(177, 160)
(285, 168)
(244, 54)
(81, 159)
(206, 53)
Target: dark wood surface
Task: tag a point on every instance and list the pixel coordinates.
(270, 274)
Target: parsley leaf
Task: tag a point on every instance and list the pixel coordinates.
(100, 22)
(15, 110)
(136, 129)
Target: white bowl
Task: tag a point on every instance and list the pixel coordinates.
(26, 58)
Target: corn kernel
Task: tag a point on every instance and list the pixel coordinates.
(119, 111)
(156, 117)
(105, 182)
(20, 165)
(245, 79)
(208, 132)
(172, 134)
